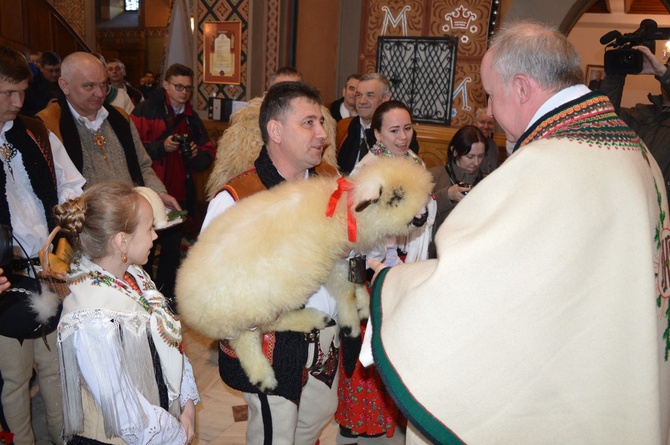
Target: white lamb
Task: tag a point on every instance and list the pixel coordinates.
(256, 265)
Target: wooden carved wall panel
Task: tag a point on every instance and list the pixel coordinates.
(272, 17)
(73, 11)
(222, 11)
(467, 19)
(468, 93)
(390, 18)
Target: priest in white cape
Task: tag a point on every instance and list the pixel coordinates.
(544, 319)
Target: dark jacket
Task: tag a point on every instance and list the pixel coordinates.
(650, 121)
(155, 121)
(40, 91)
(335, 109)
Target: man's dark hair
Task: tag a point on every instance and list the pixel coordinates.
(177, 69)
(277, 102)
(13, 66)
(285, 71)
(50, 58)
(353, 76)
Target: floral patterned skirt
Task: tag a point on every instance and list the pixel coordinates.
(364, 406)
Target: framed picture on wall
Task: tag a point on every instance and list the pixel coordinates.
(594, 76)
(222, 52)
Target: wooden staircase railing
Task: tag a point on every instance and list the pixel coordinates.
(36, 25)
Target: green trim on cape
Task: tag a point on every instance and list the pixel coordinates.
(416, 414)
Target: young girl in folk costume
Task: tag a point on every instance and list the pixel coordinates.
(124, 376)
(365, 409)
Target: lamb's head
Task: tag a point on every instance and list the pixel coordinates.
(390, 197)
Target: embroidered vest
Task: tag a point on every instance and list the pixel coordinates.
(60, 121)
(286, 351)
(31, 138)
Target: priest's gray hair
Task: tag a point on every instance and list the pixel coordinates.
(536, 50)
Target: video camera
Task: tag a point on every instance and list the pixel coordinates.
(622, 58)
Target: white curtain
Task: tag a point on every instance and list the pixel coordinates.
(180, 36)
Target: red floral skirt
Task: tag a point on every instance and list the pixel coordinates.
(364, 406)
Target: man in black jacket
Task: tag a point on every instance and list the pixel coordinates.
(43, 88)
(650, 121)
(373, 90)
(345, 106)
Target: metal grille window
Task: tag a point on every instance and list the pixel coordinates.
(421, 71)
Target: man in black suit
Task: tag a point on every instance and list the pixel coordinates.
(345, 106)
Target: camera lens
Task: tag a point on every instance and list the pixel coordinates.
(185, 148)
(623, 61)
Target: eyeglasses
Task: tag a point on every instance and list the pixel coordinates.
(179, 87)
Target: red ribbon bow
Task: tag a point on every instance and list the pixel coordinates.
(343, 186)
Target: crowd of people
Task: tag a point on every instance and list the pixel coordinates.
(543, 281)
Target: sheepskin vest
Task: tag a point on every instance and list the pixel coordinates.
(287, 351)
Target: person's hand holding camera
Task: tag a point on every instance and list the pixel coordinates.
(457, 192)
(170, 144)
(650, 64)
(194, 150)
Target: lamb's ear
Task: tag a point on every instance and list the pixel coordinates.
(365, 203)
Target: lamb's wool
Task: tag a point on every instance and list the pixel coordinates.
(261, 260)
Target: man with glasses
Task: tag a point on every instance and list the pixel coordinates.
(177, 141)
(100, 139)
(43, 88)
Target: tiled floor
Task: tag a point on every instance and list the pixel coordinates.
(215, 423)
(215, 418)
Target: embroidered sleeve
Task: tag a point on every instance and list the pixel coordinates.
(189, 391)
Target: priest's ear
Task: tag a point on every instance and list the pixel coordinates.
(524, 86)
